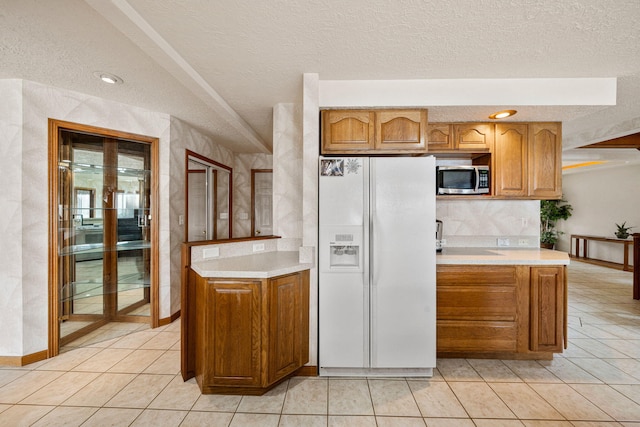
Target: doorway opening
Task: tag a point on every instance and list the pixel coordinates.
(261, 202)
(208, 199)
(103, 255)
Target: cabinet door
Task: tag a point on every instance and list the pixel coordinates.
(545, 161)
(288, 325)
(399, 130)
(510, 160)
(547, 308)
(476, 137)
(439, 137)
(347, 130)
(232, 324)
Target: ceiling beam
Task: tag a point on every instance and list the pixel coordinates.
(468, 92)
(629, 141)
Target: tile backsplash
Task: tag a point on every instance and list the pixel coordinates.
(480, 223)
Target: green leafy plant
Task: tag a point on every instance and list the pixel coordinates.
(551, 211)
(623, 231)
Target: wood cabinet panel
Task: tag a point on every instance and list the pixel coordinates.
(285, 319)
(373, 131)
(399, 130)
(231, 334)
(460, 137)
(487, 275)
(463, 302)
(248, 334)
(547, 309)
(475, 137)
(348, 130)
(510, 160)
(514, 311)
(476, 336)
(477, 308)
(440, 137)
(545, 160)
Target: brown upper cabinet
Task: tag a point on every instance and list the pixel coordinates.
(527, 160)
(510, 160)
(467, 137)
(545, 160)
(374, 131)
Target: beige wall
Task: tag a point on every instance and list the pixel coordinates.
(600, 199)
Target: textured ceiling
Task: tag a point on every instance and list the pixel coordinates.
(222, 65)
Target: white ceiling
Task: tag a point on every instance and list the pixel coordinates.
(222, 65)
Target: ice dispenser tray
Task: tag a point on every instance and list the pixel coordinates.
(344, 256)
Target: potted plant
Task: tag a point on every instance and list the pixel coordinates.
(552, 211)
(623, 231)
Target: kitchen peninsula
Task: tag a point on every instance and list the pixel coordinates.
(501, 303)
(245, 319)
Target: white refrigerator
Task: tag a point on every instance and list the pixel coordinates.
(377, 278)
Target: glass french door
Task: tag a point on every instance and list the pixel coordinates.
(104, 234)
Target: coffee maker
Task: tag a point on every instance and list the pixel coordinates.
(438, 235)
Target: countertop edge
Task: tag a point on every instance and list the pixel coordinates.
(502, 256)
(257, 266)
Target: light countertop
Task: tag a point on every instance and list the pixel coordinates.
(259, 266)
(505, 256)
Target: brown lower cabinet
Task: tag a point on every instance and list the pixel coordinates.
(249, 334)
(501, 311)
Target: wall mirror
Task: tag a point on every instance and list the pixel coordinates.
(261, 202)
(208, 199)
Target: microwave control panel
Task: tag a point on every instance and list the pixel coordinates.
(483, 178)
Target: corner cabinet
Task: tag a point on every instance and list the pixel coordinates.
(374, 131)
(501, 311)
(527, 160)
(250, 334)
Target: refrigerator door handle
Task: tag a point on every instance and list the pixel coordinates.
(372, 290)
(372, 217)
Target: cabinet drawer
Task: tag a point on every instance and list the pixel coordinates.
(467, 302)
(476, 336)
(483, 275)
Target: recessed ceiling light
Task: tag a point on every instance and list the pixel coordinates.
(108, 78)
(502, 114)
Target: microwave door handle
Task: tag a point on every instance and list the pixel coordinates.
(476, 177)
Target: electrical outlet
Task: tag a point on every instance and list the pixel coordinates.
(523, 242)
(257, 247)
(503, 241)
(180, 219)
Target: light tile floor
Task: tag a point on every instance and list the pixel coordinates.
(134, 381)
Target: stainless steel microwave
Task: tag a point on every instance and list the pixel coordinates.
(463, 179)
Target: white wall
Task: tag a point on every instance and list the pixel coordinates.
(11, 255)
(183, 137)
(24, 113)
(24, 300)
(287, 176)
(600, 199)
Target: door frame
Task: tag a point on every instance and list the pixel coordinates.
(54, 131)
(209, 163)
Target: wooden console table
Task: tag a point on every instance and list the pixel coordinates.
(585, 255)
